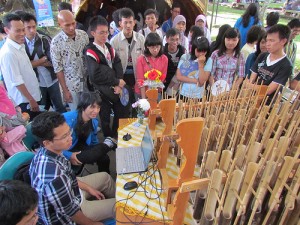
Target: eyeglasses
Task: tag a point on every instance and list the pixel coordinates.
(65, 136)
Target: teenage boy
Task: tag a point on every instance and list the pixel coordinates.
(37, 47)
(105, 71)
(151, 17)
(63, 198)
(273, 67)
(175, 11)
(18, 203)
(129, 45)
(173, 50)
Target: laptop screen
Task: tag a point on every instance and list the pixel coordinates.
(147, 146)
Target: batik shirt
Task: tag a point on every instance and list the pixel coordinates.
(67, 56)
(56, 184)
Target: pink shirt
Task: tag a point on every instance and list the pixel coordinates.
(160, 63)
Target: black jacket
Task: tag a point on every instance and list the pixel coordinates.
(100, 75)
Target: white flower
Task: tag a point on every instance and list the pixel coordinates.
(144, 104)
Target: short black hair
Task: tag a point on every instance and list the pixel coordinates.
(283, 31)
(10, 17)
(172, 32)
(116, 17)
(230, 33)
(253, 34)
(43, 125)
(88, 98)
(202, 45)
(64, 6)
(272, 18)
(2, 31)
(176, 5)
(151, 11)
(153, 39)
(125, 13)
(27, 17)
(197, 32)
(97, 21)
(17, 199)
(294, 23)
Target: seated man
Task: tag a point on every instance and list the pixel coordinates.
(63, 198)
(18, 203)
(273, 67)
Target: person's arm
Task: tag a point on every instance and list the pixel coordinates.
(241, 72)
(34, 107)
(185, 79)
(140, 71)
(41, 62)
(92, 191)
(214, 57)
(66, 93)
(204, 75)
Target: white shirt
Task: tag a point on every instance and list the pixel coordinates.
(67, 56)
(148, 31)
(16, 70)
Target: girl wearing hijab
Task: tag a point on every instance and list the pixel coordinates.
(200, 21)
(246, 21)
(179, 23)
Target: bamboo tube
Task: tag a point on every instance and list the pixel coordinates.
(231, 197)
(240, 155)
(253, 152)
(291, 198)
(246, 189)
(213, 194)
(225, 160)
(281, 180)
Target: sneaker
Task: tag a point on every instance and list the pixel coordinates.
(111, 142)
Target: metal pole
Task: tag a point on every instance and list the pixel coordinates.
(217, 11)
(212, 15)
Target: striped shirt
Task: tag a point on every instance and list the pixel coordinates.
(226, 67)
(57, 187)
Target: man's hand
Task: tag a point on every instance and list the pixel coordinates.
(117, 89)
(67, 96)
(97, 194)
(121, 83)
(74, 160)
(34, 107)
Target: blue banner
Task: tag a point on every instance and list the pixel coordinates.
(43, 12)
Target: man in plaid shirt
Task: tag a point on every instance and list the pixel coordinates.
(62, 196)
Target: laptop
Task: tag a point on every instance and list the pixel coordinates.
(136, 158)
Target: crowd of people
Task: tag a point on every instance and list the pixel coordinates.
(83, 73)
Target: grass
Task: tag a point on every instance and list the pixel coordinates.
(228, 15)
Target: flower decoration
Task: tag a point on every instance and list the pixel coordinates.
(154, 78)
(141, 106)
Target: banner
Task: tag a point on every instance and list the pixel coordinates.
(75, 5)
(43, 12)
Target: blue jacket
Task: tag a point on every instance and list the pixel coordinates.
(244, 30)
(71, 120)
(167, 25)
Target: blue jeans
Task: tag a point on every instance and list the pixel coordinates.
(53, 93)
